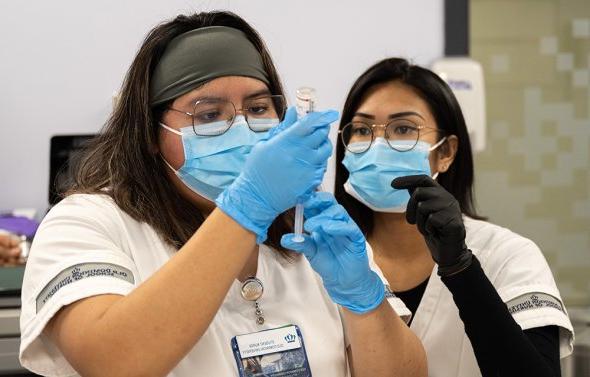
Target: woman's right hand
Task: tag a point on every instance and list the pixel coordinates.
(280, 171)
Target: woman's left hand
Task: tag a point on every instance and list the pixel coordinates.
(336, 249)
(438, 217)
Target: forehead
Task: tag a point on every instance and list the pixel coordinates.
(231, 83)
(229, 87)
(393, 97)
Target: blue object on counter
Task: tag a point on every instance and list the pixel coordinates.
(19, 225)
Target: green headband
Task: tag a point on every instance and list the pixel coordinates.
(201, 55)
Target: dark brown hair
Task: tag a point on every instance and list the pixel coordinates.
(458, 179)
(121, 161)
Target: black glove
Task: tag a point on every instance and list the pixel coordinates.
(438, 217)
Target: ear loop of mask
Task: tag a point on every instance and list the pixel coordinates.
(170, 129)
(440, 142)
(162, 156)
(167, 164)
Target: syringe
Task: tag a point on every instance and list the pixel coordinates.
(305, 99)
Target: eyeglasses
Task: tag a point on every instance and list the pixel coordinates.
(400, 134)
(213, 117)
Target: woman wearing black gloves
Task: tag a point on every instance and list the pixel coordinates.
(483, 299)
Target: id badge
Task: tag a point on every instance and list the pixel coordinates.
(276, 352)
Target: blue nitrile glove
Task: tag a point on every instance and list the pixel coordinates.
(282, 169)
(336, 249)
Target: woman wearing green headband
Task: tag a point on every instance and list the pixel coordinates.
(165, 256)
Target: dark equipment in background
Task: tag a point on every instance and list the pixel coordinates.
(64, 151)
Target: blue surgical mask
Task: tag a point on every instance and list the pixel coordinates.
(212, 163)
(371, 173)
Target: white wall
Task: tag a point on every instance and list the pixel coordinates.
(61, 60)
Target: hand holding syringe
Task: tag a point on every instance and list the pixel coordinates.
(305, 99)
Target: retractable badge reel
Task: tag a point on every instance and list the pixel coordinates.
(252, 290)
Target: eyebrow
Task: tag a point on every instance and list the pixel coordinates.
(390, 116)
(258, 93)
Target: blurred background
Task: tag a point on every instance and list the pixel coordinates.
(534, 174)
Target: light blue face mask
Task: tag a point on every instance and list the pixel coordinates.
(212, 163)
(371, 173)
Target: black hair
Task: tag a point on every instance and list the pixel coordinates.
(458, 179)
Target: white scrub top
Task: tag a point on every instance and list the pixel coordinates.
(519, 272)
(88, 246)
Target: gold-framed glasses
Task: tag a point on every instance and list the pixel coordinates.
(401, 135)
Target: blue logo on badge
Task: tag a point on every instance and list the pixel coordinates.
(290, 338)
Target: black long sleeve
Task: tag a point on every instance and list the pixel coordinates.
(501, 347)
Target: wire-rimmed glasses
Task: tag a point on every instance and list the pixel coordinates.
(401, 135)
(213, 117)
